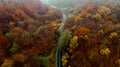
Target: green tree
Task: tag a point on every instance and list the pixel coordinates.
(15, 47)
(43, 60)
(64, 39)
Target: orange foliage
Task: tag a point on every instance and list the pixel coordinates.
(78, 18)
(81, 16)
(55, 21)
(17, 32)
(19, 57)
(82, 31)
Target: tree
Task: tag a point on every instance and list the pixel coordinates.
(4, 42)
(64, 40)
(81, 32)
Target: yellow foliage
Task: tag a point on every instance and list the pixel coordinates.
(73, 42)
(11, 24)
(100, 32)
(8, 63)
(97, 17)
(70, 50)
(114, 34)
(118, 61)
(69, 66)
(105, 51)
(103, 10)
(65, 59)
(89, 15)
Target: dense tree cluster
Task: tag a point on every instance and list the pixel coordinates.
(26, 31)
(97, 27)
(30, 34)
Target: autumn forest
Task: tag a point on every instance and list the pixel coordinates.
(35, 34)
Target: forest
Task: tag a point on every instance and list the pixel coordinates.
(34, 34)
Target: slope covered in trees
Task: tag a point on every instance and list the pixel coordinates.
(27, 32)
(30, 34)
(96, 36)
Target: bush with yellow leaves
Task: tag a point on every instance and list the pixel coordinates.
(105, 51)
(97, 17)
(103, 10)
(70, 49)
(8, 63)
(65, 59)
(73, 44)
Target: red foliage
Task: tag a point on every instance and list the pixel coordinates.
(26, 43)
(28, 9)
(112, 17)
(44, 41)
(31, 28)
(17, 18)
(20, 15)
(4, 42)
(19, 11)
